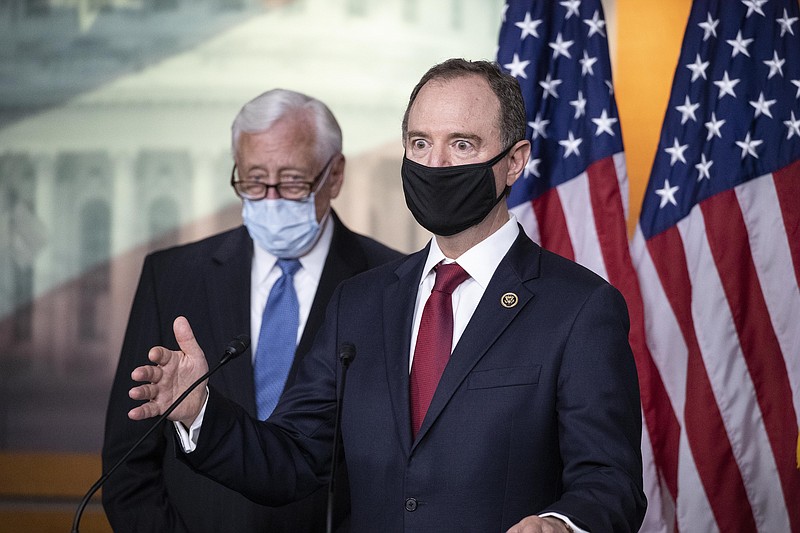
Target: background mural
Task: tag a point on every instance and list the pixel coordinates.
(114, 141)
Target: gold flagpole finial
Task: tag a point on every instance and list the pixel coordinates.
(798, 448)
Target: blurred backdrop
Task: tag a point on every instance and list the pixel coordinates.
(115, 141)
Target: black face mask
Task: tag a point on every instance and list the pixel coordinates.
(448, 200)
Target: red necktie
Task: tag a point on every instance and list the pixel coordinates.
(434, 341)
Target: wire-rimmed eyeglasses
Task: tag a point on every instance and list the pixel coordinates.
(292, 189)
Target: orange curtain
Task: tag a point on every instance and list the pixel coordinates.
(649, 37)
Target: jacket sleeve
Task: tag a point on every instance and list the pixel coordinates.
(599, 420)
(288, 456)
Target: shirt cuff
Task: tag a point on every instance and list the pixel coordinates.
(570, 523)
(189, 437)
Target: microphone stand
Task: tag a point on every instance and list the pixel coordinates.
(234, 348)
(347, 352)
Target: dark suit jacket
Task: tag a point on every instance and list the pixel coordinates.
(209, 283)
(537, 410)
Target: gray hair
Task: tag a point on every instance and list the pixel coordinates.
(260, 113)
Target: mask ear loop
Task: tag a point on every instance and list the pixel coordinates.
(492, 162)
(325, 216)
(502, 195)
(326, 171)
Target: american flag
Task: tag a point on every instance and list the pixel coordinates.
(558, 51)
(717, 251)
(572, 198)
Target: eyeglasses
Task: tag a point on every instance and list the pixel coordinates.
(289, 189)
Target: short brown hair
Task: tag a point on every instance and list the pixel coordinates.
(511, 121)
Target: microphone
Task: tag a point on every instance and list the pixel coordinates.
(347, 352)
(234, 348)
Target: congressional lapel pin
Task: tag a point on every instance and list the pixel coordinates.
(509, 300)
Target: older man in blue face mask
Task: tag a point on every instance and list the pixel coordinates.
(272, 278)
(286, 174)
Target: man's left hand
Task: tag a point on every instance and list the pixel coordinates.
(537, 524)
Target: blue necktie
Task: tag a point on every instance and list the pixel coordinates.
(277, 339)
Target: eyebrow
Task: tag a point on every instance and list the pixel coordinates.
(280, 170)
(451, 136)
(467, 136)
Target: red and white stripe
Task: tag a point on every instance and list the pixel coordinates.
(584, 220)
(722, 318)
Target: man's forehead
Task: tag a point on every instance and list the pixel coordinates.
(456, 83)
(274, 148)
(288, 132)
(462, 91)
(463, 105)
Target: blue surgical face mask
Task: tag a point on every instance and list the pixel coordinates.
(285, 228)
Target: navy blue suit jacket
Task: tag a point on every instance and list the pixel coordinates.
(209, 283)
(537, 410)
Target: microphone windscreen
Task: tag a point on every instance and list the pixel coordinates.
(347, 352)
(238, 345)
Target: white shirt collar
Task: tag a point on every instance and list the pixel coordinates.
(313, 261)
(481, 260)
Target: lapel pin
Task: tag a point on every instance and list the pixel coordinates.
(509, 300)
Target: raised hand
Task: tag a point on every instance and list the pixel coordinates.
(172, 374)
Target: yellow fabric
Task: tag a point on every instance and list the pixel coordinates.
(645, 43)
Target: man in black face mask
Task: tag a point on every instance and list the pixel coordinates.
(494, 388)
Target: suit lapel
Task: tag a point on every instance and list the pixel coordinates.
(488, 323)
(227, 281)
(398, 313)
(345, 259)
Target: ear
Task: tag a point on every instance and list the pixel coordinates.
(336, 178)
(517, 159)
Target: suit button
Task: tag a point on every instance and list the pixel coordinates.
(411, 505)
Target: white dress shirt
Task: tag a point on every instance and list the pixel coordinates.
(479, 262)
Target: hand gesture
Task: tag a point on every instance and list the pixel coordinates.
(171, 375)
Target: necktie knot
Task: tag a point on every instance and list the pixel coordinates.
(448, 277)
(289, 266)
